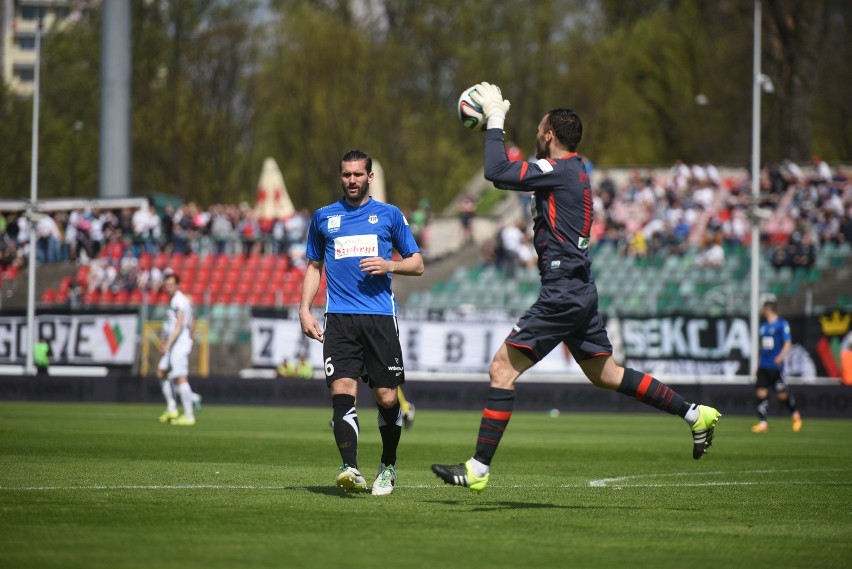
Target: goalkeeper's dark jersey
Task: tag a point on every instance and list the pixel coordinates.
(562, 210)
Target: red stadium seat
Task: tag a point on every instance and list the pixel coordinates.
(92, 297)
(48, 296)
(146, 261)
(161, 260)
(11, 273)
(83, 275)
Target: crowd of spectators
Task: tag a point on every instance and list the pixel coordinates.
(695, 209)
(117, 245)
(650, 214)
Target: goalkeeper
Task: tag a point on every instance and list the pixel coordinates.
(567, 308)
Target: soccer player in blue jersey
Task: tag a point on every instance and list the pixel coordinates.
(775, 344)
(354, 239)
(567, 307)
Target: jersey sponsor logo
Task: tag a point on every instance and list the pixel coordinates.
(555, 264)
(373, 218)
(583, 243)
(356, 246)
(334, 223)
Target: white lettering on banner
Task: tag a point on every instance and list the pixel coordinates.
(679, 337)
(107, 339)
(275, 339)
(672, 335)
(666, 345)
(737, 339)
(693, 334)
(356, 246)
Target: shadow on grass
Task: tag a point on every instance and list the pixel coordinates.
(508, 505)
(331, 491)
(504, 505)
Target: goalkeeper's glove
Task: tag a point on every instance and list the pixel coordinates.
(494, 106)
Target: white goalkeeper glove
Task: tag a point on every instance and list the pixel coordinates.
(494, 106)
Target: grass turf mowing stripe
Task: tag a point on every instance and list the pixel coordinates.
(254, 487)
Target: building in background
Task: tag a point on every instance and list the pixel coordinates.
(19, 22)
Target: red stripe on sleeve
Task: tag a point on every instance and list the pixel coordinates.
(551, 201)
(643, 387)
(524, 167)
(587, 212)
(499, 415)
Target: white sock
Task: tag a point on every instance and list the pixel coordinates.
(185, 392)
(171, 404)
(479, 469)
(195, 397)
(692, 414)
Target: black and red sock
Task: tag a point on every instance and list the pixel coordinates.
(495, 418)
(652, 392)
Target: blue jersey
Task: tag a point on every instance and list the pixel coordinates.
(773, 336)
(340, 236)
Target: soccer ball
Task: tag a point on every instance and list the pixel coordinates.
(469, 112)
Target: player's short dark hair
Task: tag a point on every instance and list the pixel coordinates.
(356, 156)
(170, 274)
(567, 127)
(772, 305)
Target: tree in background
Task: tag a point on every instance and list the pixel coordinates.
(219, 86)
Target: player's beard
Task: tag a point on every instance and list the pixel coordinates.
(359, 196)
(540, 151)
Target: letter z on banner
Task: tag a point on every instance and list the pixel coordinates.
(104, 339)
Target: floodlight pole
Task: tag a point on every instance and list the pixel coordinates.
(32, 209)
(755, 192)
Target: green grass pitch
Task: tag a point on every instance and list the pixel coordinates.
(97, 485)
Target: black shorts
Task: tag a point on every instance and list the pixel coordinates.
(566, 311)
(770, 378)
(363, 346)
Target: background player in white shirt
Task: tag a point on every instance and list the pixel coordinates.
(173, 369)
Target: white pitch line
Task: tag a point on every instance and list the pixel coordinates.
(614, 482)
(158, 487)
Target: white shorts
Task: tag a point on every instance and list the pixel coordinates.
(176, 361)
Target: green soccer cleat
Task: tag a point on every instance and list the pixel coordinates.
(350, 479)
(168, 416)
(461, 475)
(702, 430)
(183, 421)
(384, 480)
